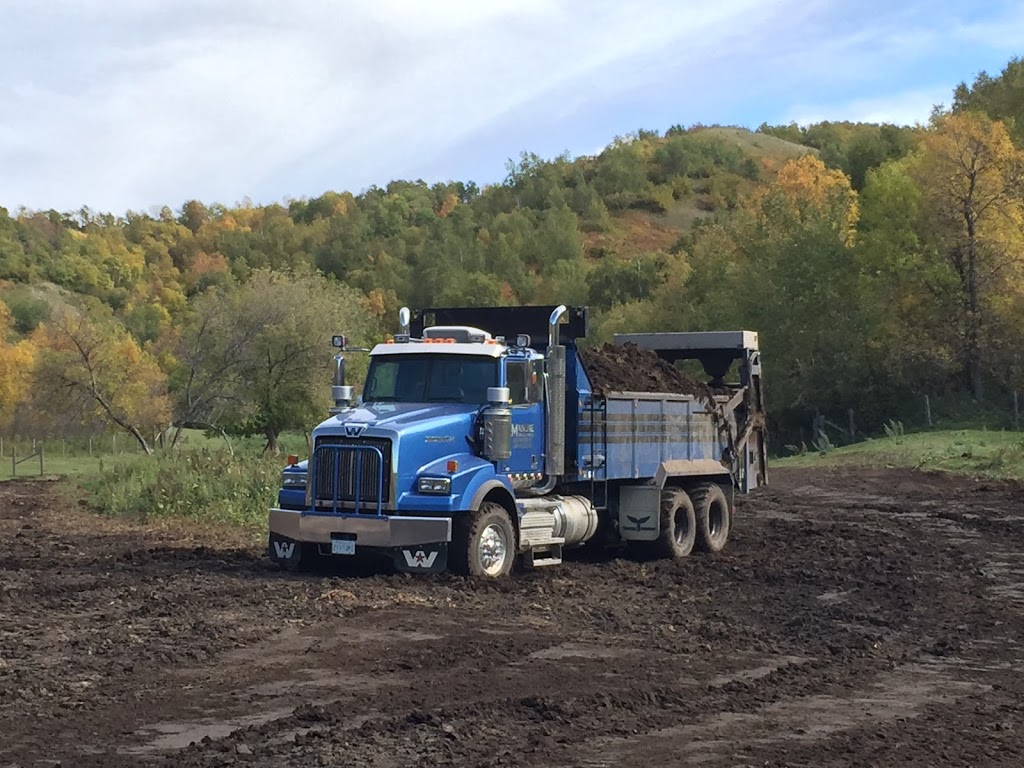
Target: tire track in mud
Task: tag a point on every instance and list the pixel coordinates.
(856, 618)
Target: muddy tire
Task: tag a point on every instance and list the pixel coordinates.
(714, 518)
(483, 542)
(677, 523)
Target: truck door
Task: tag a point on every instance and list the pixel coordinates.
(525, 381)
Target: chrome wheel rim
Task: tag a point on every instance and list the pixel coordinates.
(493, 549)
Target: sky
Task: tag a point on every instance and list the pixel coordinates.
(123, 105)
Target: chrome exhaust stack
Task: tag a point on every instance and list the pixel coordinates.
(554, 459)
(340, 392)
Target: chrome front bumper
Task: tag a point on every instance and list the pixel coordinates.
(369, 530)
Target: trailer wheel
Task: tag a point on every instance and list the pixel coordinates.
(483, 542)
(678, 525)
(714, 518)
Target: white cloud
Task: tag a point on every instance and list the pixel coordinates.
(131, 103)
(160, 102)
(905, 108)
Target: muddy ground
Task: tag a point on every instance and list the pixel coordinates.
(857, 618)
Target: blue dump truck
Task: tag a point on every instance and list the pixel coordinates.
(484, 437)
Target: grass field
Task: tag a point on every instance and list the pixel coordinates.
(976, 452)
(75, 461)
(199, 480)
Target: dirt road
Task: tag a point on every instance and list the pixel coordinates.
(857, 618)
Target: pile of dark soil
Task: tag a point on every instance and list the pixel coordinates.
(628, 368)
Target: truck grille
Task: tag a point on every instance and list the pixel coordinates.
(335, 469)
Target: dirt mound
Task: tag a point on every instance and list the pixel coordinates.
(628, 368)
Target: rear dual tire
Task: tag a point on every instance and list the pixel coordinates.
(702, 520)
(677, 525)
(714, 517)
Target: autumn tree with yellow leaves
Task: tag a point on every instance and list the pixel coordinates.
(89, 366)
(16, 362)
(971, 179)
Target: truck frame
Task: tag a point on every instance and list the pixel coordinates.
(480, 440)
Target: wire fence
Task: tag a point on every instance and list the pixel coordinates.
(822, 430)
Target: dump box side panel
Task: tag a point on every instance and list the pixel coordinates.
(627, 436)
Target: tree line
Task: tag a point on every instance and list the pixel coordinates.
(876, 262)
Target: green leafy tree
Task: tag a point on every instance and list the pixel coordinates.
(264, 347)
(1001, 98)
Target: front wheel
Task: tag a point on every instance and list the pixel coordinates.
(483, 542)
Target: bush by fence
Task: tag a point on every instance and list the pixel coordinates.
(212, 486)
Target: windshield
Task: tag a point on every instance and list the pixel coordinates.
(430, 379)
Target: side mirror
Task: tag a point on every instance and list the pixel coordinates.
(339, 342)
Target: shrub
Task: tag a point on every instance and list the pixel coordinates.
(203, 485)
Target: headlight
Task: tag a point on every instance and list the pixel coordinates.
(438, 485)
(293, 479)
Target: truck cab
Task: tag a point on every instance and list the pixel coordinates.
(450, 420)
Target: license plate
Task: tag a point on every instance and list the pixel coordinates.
(343, 547)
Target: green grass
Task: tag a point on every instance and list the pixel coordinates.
(70, 466)
(199, 485)
(74, 461)
(200, 480)
(760, 145)
(974, 452)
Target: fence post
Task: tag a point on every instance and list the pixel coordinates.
(853, 429)
(928, 410)
(1016, 414)
(90, 446)
(14, 460)
(40, 460)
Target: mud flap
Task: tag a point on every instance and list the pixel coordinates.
(422, 558)
(283, 550)
(639, 506)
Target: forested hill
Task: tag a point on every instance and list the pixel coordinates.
(877, 262)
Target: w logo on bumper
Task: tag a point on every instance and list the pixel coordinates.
(284, 549)
(427, 558)
(419, 559)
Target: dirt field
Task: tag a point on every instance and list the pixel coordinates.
(857, 618)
